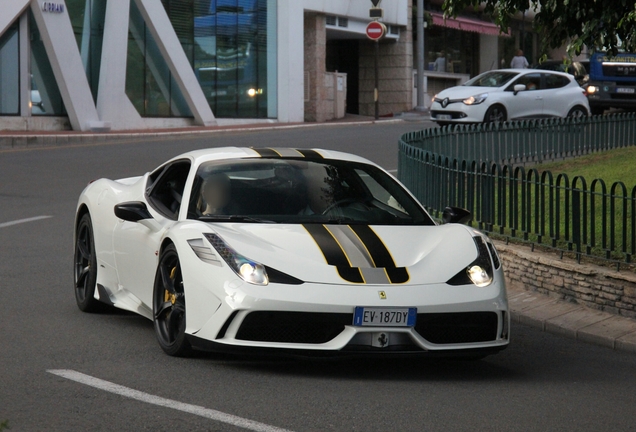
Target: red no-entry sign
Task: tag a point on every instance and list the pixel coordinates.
(375, 30)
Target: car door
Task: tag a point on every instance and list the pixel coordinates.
(527, 103)
(557, 99)
(136, 245)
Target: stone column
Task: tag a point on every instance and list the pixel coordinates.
(396, 73)
(315, 33)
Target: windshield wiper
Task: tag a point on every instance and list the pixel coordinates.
(234, 218)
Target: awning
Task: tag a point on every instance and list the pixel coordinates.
(467, 24)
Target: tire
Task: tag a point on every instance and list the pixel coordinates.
(495, 114)
(578, 111)
(168, 305)
(85, 267)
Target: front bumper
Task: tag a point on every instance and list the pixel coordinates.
(450, 319)
(458, 112)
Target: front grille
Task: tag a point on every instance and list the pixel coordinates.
(293, 327)
(455, 328)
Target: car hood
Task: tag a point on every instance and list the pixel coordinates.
(356, 254)
(463, 92)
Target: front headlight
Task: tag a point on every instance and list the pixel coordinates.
(479, 276)
(248, 270)
(480, 272)
(592, 89)
(475, 100)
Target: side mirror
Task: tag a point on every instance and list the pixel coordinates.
(519, 88)
(456, 215)
(134, 211)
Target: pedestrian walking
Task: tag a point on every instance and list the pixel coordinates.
(519, 61)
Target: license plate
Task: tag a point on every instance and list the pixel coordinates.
(384, 317)
(625, 90)
(444, 117)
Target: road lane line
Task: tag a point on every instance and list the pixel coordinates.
(392, 171)
(163, 402)
(21, 221)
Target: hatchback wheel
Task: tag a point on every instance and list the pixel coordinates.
(495, 114)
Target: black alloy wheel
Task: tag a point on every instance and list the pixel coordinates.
(169, 307)
(495, 114)
(85, 268)
(577, 112)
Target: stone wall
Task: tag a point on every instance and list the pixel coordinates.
(396, 73)
(590, 285)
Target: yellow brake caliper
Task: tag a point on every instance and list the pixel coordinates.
(167, 296)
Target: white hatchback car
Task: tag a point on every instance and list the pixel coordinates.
(510, 94)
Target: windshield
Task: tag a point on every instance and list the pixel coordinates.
(301, 191)
(491, 79)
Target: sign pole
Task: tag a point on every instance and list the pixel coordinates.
(376, 92)
(375, 32)
(420, 56)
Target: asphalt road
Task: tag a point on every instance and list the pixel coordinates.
(542, 382)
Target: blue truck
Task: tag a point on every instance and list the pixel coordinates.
(612, 82)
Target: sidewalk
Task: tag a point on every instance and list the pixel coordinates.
(571, 320)
(18, 139)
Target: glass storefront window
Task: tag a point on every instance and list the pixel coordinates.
(149, 83)
(87, 19)
(45, 94)
(227, 42)
(9, 72)
(452, 51)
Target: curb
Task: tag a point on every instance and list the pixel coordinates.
(24, 141)
(571, 320)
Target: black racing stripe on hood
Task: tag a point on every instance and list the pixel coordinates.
(351, 274)
(398, 275)
(380, 254)
(376, 247)
(333, 253)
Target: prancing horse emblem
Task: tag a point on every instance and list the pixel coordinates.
(382, 295)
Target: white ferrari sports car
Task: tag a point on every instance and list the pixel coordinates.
(304, 252)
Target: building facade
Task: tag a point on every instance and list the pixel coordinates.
(136, 64)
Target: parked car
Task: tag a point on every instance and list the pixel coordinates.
(288, 250)
(510, 94)
(576, 69)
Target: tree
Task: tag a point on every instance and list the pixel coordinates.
(597, 24)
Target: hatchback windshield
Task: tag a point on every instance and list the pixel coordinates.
(491, 79)
(301, 191)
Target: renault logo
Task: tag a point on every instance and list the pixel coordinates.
(382, 295)
(445, 102)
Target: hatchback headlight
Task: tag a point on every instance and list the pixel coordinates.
(475, 100)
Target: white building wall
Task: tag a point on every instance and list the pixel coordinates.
(488, 53)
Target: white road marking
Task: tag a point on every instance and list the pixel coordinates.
(21, 221)
(163, 402)
(392, 171)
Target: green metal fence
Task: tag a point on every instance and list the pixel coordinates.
(479, 168)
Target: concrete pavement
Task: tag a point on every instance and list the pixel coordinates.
(571, 320)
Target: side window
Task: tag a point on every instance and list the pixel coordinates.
(555, 81)
(531, 81)
(165, 188)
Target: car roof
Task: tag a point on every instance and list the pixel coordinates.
(235, 153)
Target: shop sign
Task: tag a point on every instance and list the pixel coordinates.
(53, 7)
